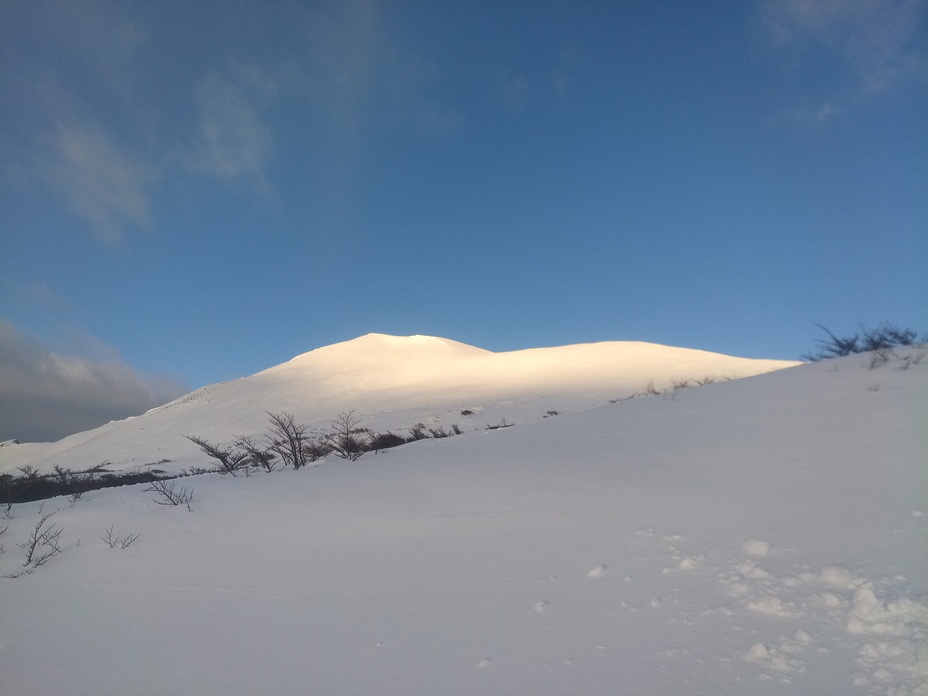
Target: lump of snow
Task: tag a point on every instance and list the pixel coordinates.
(772, 605)
(597, 572)
(756, 547)
(770, 658)
(871, 615)
(836, 575)
(748, 569)
(831, 599)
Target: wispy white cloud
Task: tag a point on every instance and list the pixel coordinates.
(233, 143)
(876, 39)
(105, 187)
(45, 396)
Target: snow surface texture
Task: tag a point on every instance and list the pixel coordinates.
(759, 536)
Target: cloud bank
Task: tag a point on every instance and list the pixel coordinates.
(45, 396)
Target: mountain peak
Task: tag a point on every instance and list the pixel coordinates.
(385, 348)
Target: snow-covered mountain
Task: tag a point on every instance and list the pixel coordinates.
(392, 382)
(762, 536)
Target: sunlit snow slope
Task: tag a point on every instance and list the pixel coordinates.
(761, 536)
(391, 382)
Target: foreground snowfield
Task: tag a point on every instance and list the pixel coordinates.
(759, 536)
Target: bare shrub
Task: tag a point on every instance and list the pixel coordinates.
(382, 441)
(502, 424)
(909, 360)
(170, 496)
(346, 439)
(418, 432)
(42, 545)
(316, 449)
(28, 472)
(115, 542)
(885, 336)
(440, 432)
(289, 439)
(879, 357)
(254, 454)
(650, 389)
(229, 460)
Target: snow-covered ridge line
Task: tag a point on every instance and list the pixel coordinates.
(391, 382)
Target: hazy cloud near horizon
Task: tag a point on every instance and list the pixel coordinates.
(45, 396)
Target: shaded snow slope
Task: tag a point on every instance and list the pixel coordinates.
(392, 382)
(761, 536)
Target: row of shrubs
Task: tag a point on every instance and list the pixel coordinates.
(287, 443)
(290, 444)
(884, 337)
(31, 485)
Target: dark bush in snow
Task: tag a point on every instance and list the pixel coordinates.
(346, 439)
(43, 544)
(885, 337)
(290, 440)
(229, 460)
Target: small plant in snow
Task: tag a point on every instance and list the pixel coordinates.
(502, 424)
(254, 455)
(42, 545)
(418, 432)
(879, 357)
(170, 496)
(346, 439)
(229, 460)
(910, 360)
(886, 337)
(290, 440)
(115, 542)
(440, 432)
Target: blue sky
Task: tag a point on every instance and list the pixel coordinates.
(193, 192)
